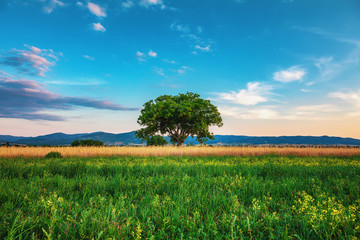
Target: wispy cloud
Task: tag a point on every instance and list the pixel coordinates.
(169, 61)
(246, 113)
(160, 71)
(307, 113)
(328, 66)
(352, 97)
(204, 49)
(98, 27)
(89, 57)
(27, 99)
(34, 61)
(140, 56)
(86, 82)
(255, 93)
(193, 36)
(96, 9)
(51, 5)
(306, 109)
(127, 4)
(294, 73)
(152, 3)
(183, 69)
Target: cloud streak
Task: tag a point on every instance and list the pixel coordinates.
(352, 97)
(34, 61)
(193, 36)
(27, 99)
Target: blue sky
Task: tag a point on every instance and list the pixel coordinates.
(275, 67)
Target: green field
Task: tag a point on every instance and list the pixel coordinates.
(267, 197)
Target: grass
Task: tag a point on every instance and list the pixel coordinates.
(195, 151)
(233, 197)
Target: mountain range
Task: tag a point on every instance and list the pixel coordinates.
(129, 138)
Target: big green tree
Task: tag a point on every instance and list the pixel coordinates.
(178, 117)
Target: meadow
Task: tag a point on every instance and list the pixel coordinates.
(260, 196)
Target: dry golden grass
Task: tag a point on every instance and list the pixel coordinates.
(12, 152)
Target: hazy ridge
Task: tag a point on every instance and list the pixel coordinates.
(130, 139)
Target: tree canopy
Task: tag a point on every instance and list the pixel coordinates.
(179, 116)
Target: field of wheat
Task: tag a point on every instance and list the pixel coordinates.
(11, 152)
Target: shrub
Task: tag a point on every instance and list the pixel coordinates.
(156, 140)
(53, 155)
(87, 143)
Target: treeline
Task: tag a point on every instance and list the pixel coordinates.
(87, 142)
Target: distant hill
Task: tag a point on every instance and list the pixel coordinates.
(129, 138)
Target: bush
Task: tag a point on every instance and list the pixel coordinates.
(87, 143)
(156, 140)
(53, 155)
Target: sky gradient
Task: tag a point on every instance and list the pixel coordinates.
(277, 67)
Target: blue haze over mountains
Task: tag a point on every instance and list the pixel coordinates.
(130, 139)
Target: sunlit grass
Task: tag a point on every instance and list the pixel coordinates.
(253, 197)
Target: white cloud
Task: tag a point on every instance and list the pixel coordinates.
(152, 53)
(254, 94)
(294, 73)
(352, 97)
(51, 5)
(149, 3)
(127, 4)
(244, 113)
(140, 56)
(96, 9)
(316, 108)
(308, 112)
(80, 4)
(89, 57)
(204, 49)
(98, 27)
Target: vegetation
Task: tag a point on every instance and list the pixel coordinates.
(87, 143)
(195, 151)
(179, 116)
(263, 197)
(53, 155)
(156, 140)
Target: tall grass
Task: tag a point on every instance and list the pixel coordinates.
(263, 197)
(10, 152)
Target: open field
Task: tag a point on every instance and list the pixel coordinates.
(195, 151)
(252, 197)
